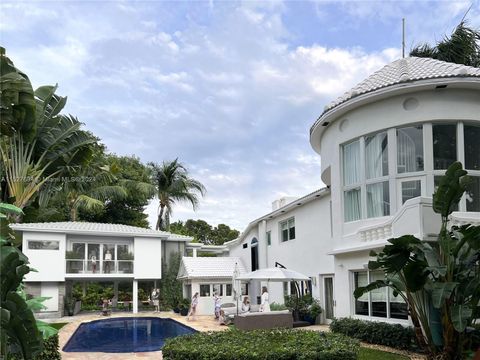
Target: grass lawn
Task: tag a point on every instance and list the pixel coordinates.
(58, 326)
(372, 354)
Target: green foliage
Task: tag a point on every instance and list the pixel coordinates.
(444, 274)
(134, 177)
(380, 333)
(374, 354)
(170, 287)
(173, 184)
(17, 100)
(277, 307)
(184, 303)
(50, 351)
(203, 232)
(18, 325)
(462, 47)
(261, 344)
(303, 305)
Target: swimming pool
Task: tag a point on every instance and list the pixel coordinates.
(126, 334)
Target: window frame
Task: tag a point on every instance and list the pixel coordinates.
(388, 314)
(209, 290)
(57, 242)
(288, 229)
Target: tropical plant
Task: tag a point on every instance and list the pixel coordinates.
(203, 232)
(17, 110)
(18, 328)
(439, 279)
(135, 178)
(170, 286)
(57, 146)
(173, 184)
(462, 47)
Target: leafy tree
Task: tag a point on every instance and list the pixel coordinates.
(173, 184)
(203, 232)
(135, 177)
(462, 47)
(170, 287)
(57, 146)
(443, 275)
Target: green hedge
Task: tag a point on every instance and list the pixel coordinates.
(373, 332)
(50, 351)
(261, 344)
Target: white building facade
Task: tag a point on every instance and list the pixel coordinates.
(383, 147)
(67, 252)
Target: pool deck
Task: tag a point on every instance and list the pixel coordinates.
(201, 323)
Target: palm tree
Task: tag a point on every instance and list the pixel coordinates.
(173, 184)
(462, 47)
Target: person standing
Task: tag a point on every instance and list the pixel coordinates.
(156, 299)
(217, 299)
(193, 307)
(265, 305)
(108, 259)
(93, 261)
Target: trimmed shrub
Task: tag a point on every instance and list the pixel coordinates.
(261, 344)
(50, 350)
(373, 332)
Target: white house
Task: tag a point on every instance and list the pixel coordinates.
(207, 276)
(67, 252)
(383, 145)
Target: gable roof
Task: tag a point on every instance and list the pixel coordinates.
(209, 267)
(103, 229)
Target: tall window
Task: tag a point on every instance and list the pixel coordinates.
(269, 238)
(472, 147)
(410, 149)
(376, 155)
(379, 303)
(444, 145)
(378, 199)
(351, 180)
(287, 229)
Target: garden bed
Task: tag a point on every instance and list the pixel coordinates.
(261, 344)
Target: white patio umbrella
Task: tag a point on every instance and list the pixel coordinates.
(274, 274)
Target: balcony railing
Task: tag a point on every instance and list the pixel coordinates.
(99, 267)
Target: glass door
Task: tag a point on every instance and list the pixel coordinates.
(328, 300)
(93, 259)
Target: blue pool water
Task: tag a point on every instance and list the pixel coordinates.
(125, 334)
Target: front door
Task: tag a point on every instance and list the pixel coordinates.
(328, 300)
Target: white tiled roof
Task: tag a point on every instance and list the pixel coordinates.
(209, 267)
(403, 71)
(79, 227)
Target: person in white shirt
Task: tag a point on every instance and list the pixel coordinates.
(217, 299)
(193, 307)
(108, 259)
(264, 306)
(245, 305)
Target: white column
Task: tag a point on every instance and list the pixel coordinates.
(135, 296)
(84, 288)
(194, 252)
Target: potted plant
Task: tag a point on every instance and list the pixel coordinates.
(313, 310)
(184, 306)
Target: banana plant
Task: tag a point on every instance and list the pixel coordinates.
(443, 274)
(18, 327)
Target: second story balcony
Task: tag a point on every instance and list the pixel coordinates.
(99, 259)
(79, 266)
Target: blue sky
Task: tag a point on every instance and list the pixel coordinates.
(230, 88)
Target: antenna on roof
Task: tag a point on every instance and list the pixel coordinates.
(403, 37)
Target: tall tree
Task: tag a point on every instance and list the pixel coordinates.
(135, 177)
(173, 184)
(203, 232)
(462, 47)
(57, 145)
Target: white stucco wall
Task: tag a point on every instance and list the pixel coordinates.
(307, 253)
(50, 264)
(50, 290)
(148, 258)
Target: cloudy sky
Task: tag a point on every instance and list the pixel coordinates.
(230, 88)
